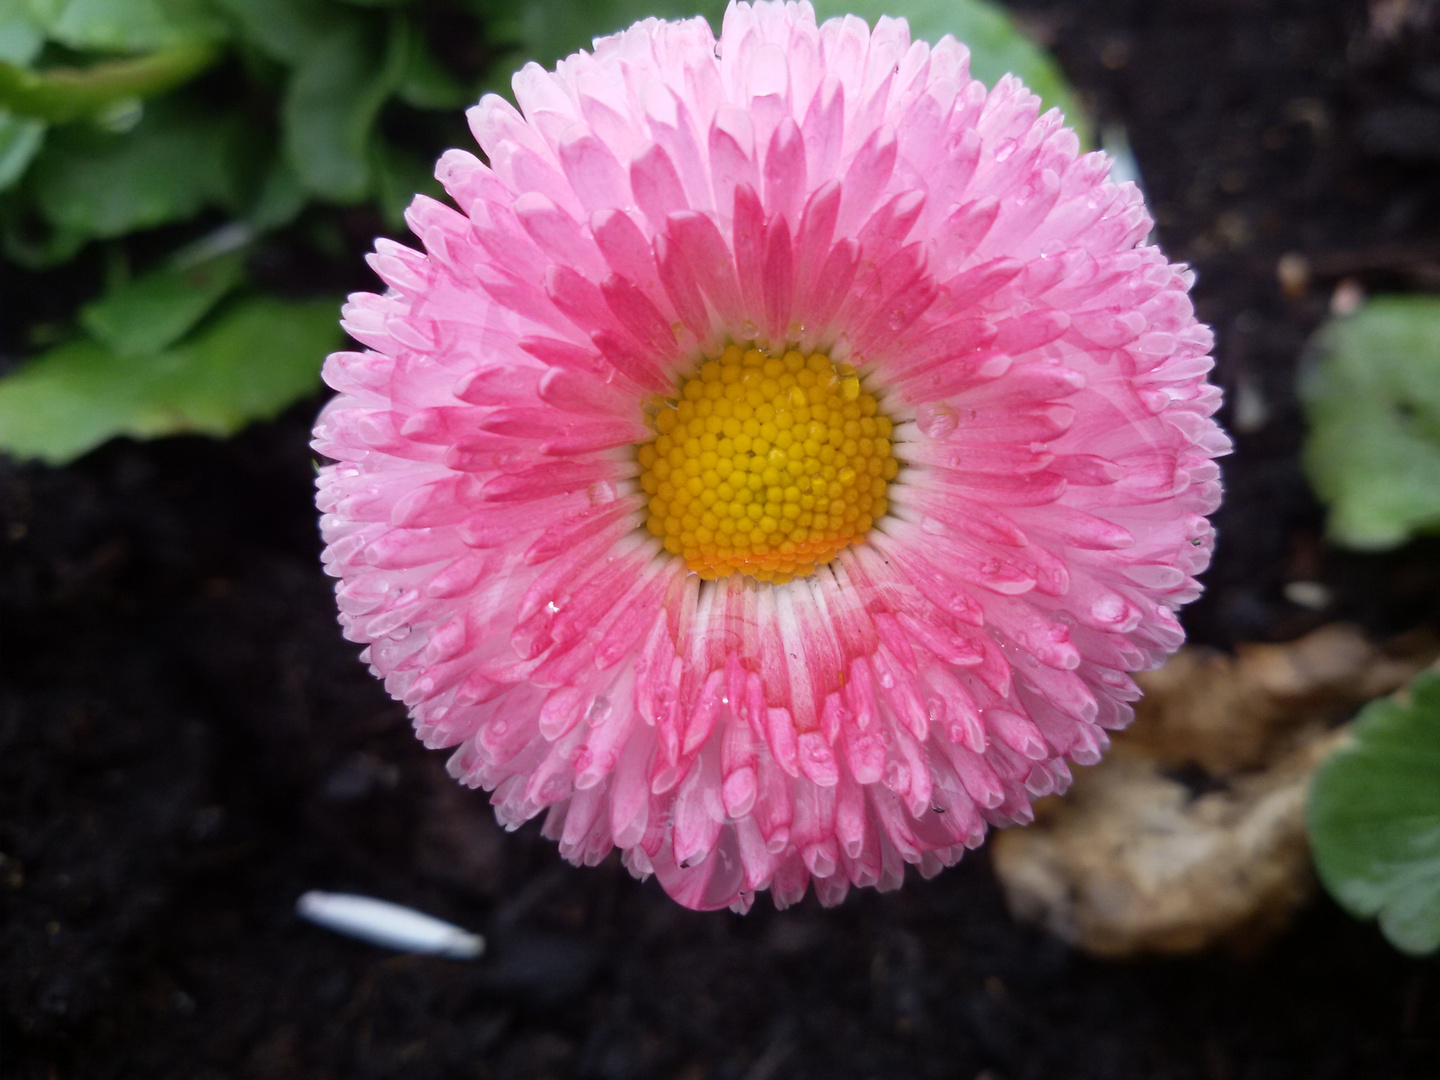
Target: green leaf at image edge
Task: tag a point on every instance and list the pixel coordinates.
(1371, 391)
(64, 94)
(20, 141)
(285, 30)
(21, 37)
(250, 362)
(127, 25)
(1374, 817)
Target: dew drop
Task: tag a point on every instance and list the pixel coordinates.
(937, 419)
(599, 710)
(897, 777)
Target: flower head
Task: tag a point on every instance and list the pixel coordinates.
(777, 465)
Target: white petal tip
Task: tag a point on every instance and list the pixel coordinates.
(388, 925)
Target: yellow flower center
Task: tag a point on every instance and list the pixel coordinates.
(766, 465)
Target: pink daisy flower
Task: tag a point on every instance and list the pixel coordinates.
(775, 468)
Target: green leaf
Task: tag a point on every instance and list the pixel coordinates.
(62, 94)
(21, 37)
(997, 46)
(167, 169)
(332, 101)
(1374, 817)
(257, 357)
(20, 141)
(280, 199)
(399, 177)
(155, 311)
(127, 25)
(30, 242)
(1372, 397)
(284, 30)
(426, 84)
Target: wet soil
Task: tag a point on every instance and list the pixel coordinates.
(186, 742)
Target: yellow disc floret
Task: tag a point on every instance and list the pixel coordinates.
(766, 465)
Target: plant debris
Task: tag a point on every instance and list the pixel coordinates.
(1192, 832)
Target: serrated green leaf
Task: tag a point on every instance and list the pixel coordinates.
(153, 312)
(20, 141)
(1372, 397)
(332, 102)
(63, 94)
(248, 364)
(284, 30)
(21, 37)
(996, 44)
(1374, 817)
(127, 25)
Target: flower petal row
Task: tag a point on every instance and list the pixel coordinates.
(831, 189)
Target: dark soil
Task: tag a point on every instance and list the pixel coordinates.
(186, 743)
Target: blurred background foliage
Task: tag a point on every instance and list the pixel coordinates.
(187, 173)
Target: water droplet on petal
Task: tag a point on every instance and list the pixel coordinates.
(937, 419)
(897, 777)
